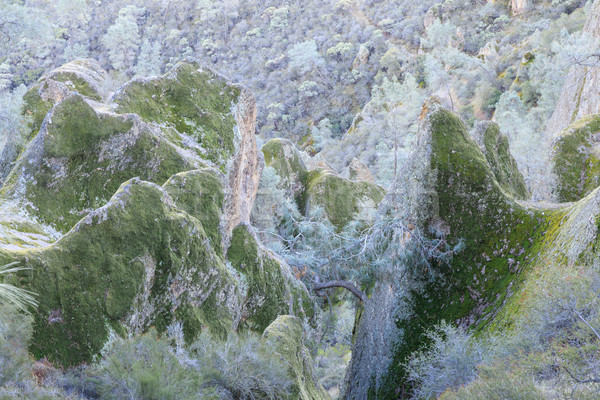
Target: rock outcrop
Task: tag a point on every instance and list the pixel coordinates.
(286, 335)
(495, 148)
(125, 205)
(358, 171)
(461, 190)
(519, 6)
(342, 199)
(576, 159)
(579, 97)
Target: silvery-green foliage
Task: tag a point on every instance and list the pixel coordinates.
(449, 361)
(384, 133)
(528, 144)
(304, 57)
(149, 61)
(270, 202)
(144, 367)
(12, 122)
(122, 39)
(15, 331)
(75, 51)
(322, 134)
(245, 366)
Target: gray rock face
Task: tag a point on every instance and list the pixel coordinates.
(358, 171)
(246, 166)
(581, 93)
(518, 6)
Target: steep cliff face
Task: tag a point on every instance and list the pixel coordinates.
(124, 207)
(463, 194)
(579, 97)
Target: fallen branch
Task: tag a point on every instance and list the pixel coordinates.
(343, 284)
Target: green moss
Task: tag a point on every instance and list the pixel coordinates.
(193, 101)
(268, 294)
(93, 277)
(500, 236)
(200, 194)
(78, 84)
(36, 108)
(286, 335)
(281, 155)
(502, 164)
(85, 160)
(575, 160)
(341, 198)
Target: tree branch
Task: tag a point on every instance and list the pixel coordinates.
(343, 284)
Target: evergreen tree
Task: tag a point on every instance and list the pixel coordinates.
(149, 61)
(122, 39)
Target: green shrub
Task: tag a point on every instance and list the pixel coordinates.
(498, 384)
(145, 368)
(15, 332)
(243, 365)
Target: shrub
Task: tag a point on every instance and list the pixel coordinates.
(145, 367)
(15, 332)
(243, 365)
(498, 384)
(30, 391)
(450, 361)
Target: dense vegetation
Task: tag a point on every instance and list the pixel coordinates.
(374, 201)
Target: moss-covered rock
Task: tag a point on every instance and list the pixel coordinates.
(137, 262)
(495, 148)
(500, 236)
(85, 77)
(194, 101)
(576, 159)
(200, 194)
(343, 200)
(80, 157)
(282, 155)
(287, 336)
(270, 288)
(108, 246)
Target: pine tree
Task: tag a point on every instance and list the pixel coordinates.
(149, 61)
(122, 39)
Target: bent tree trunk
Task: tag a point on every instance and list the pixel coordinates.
(343, 284)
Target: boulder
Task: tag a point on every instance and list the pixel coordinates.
(287, 337)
